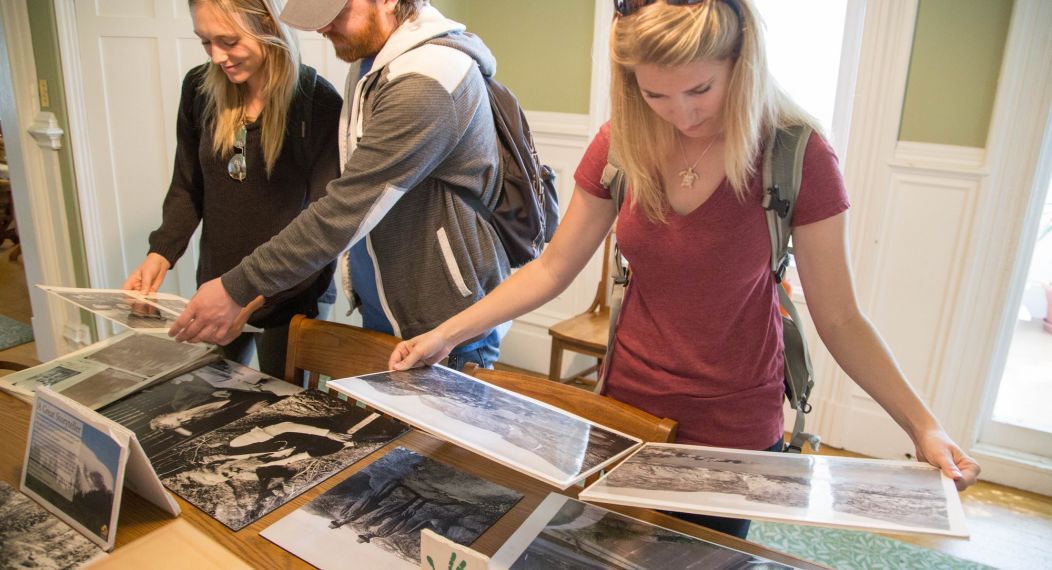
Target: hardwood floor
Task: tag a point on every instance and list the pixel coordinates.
(14, 303)
(1010, 528)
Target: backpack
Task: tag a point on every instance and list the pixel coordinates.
(782, 167)
(526, 210)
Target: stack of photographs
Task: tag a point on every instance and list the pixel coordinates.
(241, 471)
(375, 516)
(861, 494)
(109, 370)
(566, 533)
(197, 402)
(31, 537)
(532, 437)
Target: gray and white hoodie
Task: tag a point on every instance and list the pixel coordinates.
(417, 125)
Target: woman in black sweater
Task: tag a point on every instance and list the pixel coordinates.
(257, 143)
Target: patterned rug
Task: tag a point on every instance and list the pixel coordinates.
(13, 333)
(851, 550)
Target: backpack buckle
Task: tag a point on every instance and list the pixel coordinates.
(773, 201)
(783, 266)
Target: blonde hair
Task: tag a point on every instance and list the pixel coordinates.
(225, 101)
(408, 10)
(754, 106)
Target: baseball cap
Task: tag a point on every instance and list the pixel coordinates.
(311, 15)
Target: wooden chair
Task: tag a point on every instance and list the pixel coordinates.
(335, 350)
(600, 409)
(585, 333)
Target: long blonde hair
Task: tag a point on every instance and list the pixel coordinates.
(720, 30)
(225, 101)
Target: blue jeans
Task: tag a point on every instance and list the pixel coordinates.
(483, 352)
(733, 527)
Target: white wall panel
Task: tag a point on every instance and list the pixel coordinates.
(561, 140)
(922, 226)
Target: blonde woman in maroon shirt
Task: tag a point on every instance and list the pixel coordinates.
(699, 333)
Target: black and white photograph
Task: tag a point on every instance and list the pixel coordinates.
(375, 516)
(31, 537)
(147, 355)
(196, 402)
(863, 494)
(563, 533)
(56, 374)
(102, 387)
(530, 436)
(122, 307)
(74, 467)
(241, 471)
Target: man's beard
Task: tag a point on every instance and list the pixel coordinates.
(366, 44)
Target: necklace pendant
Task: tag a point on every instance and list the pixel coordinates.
(688, 177)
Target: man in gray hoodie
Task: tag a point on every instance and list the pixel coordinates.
(416, 124)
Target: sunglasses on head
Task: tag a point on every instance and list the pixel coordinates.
(629, 7)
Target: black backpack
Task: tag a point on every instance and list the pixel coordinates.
(527, 208)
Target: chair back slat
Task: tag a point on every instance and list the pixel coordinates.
(334, 350)
(599, 409)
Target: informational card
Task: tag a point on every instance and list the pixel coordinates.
(75, 467)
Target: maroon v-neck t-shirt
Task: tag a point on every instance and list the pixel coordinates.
(700, 335)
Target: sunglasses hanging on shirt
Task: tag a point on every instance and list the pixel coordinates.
(237, 168)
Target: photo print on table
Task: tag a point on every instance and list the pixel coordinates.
(864, 494)
(196, 402)
(567, 533)
(31, 537)
(241, 471)
(375, 516)
(529, 436)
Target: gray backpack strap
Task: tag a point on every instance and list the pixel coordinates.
(615, 182)
(782, 171)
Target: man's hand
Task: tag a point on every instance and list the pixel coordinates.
(147, 278)
(212, 316)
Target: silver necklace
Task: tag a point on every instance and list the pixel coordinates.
(689, 175)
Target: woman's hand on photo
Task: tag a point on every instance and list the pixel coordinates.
(147, 278)
(428, 348)
(936, 447)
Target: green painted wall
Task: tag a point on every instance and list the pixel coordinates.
(543, 47)
(954, 69)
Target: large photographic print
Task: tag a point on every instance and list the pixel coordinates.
(242, 471)
(30, 537)
(197, 402)
(126, 308)
(524, 434)
(375, 516)
(147, 355)
(563, 533)
(865, 494)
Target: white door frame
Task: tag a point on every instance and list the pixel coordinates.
(43, 231)
(1022, 118)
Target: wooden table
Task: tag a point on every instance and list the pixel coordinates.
(138, 517)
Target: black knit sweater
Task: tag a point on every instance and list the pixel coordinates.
(237, 217)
